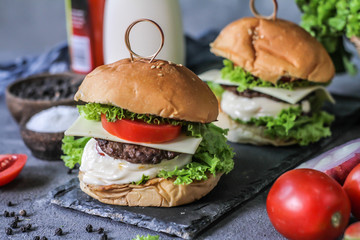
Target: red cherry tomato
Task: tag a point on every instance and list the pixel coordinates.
(352, 232)
(138, 131)
(308, 204)
(352, 188)
(10, 166)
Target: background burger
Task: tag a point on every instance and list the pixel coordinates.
(272, 85)
(148, 138)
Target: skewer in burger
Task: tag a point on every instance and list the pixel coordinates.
(148, 137)
(272, 86)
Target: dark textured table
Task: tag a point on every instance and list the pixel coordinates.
(31, 189)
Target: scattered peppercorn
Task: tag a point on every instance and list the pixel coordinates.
(13, 224)
(100, 230)
(22, 213)
(8, 231)
(28, 227)
(12, 214)
(89, 228)
(36, 238)
(23, 229)
(69, 171)
(9, 204)
(58, 232)
(16, 218)
(6, 214)
(44, 238)
(104, 237)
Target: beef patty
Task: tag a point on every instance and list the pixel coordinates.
(135, 153)
(248, 93)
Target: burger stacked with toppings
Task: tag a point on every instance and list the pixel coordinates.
(272, 86)
(147, 137)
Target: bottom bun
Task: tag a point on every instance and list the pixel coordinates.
(157, 192)
(243, 133)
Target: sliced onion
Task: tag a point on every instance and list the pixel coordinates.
(337, 162)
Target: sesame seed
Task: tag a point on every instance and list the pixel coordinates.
(179, 65)
(160, 74)
(262, 36)
(249, 31)
(153, 66)
(158, 67)
(170, 62)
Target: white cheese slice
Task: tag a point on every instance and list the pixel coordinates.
(214, 75)
(290, 96)
(89, 128)
(293, 96)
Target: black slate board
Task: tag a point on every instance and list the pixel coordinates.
(255, 168)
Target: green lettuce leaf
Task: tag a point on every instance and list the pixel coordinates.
(245, 80)
(93, 111)
(216, 89)
(291, 124)
(143, 180)
(212, 156)
(328, 21)
(73, 150)
(148, 237)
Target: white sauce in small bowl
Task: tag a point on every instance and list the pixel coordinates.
(54, 119)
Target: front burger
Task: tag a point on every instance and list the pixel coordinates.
(272, 85)
(147, 137)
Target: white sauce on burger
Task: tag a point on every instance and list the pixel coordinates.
(100, 169)
(243, 108)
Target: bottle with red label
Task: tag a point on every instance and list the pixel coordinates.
(84, 24)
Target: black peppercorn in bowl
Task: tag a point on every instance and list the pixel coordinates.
(30, 95)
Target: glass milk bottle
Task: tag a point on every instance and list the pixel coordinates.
(145, 38)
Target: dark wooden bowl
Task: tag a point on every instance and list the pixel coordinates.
(46, 146)
(22, 108)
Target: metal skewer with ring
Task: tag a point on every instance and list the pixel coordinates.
(256, 13)
(127, 41)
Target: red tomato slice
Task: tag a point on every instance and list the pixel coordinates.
(138, 131)
(352, 188)
(10, 166)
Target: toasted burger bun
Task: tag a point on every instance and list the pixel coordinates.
(159, 88)
(243, 133)
(271, 49)
(157, 192)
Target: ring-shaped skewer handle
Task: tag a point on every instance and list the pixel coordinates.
(256, 13)
(127, 41)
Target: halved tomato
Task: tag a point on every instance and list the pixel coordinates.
(10, 166)
(138, 131)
